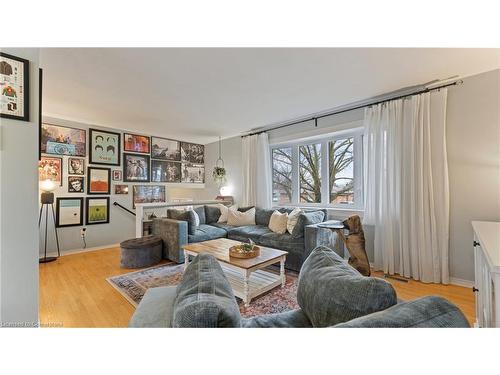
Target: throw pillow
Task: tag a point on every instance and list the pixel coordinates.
(182, 215)
(239, 219)
(201, 214)
(278, 222)
(306, 218)
(205, 298)
(223, 212)
(330, 291)
(293, 217)
(196, 219)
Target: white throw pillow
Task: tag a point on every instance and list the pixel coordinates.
(292, 219)
(278, 222)
(223, 212)
(196, 219)
(239, 219)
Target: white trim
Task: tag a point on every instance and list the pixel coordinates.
(77, 251)
(461, 282)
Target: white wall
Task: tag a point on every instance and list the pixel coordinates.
(19, 208)
(473, 137)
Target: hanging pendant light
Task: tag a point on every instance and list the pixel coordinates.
(219, 172)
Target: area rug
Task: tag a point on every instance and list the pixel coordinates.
(133, 285)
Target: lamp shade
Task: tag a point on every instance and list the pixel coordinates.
(47, 185)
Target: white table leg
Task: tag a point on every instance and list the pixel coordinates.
(282, 272)
(246, 289)
(186, 259)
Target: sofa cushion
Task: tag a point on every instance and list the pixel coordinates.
(205, 298)
(212, 214)
(244, 233)
(278, 222)
(282, 241)
(306, 218)
(201, 214)
(224, 226)
(184, 215)
(155, 309)
(262, 216)
(426, 312)
(239, 218)
(330, 291)
(206, 232)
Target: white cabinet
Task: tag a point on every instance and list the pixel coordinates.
(487, 272)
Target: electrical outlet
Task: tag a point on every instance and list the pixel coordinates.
(82, 231)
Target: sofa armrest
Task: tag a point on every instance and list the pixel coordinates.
(174, 234)
(155, 309)
(315, 236)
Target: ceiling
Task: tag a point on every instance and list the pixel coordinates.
(198, 94)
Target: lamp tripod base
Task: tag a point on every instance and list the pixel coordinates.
(47, 259)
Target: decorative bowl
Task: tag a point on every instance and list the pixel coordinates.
(244, 251)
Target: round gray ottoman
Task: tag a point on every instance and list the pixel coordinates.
(141, 252)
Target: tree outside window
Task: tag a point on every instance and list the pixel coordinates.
(341, 171)
(282, 175)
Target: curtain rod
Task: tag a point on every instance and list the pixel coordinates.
(352, 108)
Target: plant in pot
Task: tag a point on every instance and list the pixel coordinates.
(219, 173)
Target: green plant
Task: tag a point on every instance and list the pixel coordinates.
(219, 175)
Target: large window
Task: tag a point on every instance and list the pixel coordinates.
(324, 172)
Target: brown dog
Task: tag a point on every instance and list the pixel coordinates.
(355, 243)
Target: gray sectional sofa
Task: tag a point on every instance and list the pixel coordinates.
(330, 293)
(179, 229)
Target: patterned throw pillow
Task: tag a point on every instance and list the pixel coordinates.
(239, 219)
(292, 219)
(223, 212)
(278, 222)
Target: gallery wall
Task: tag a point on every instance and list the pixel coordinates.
(121, 225)
(18, 208)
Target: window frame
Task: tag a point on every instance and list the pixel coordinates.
(324, 140)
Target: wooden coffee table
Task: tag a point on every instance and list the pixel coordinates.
(246, 276)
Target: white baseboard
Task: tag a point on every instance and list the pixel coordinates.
(461, 282)
(76, 251)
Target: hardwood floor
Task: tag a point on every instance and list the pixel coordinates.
(74, 291)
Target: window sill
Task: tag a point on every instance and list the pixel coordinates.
(333, 212)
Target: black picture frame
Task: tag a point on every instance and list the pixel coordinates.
(87, 210)
(58, 211)
(147, 162)
(26, 88)
(193, 153)
(125, 149)
(158, 156)
(70, 187)
(150, 190)
(61, 151)
(159, 171)
(89, 181)
(92, 155)
(72, 172)
(61, 164)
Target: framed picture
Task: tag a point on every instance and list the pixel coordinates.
(136, 143)
(165, 171)
(50, 168)
(76, 166)
(104, 147)
(97, 211)
(165, 149)
(135, 168)
(76, 184)
(69, 212)
(121, 189)
(99, 180)
(14, 87)
(61, 140)
(117, 175)
(148, 194)
(192, 153)
(193, 173)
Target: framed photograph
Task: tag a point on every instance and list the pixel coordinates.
(135, 168)
(76, 184)
(136, 143)
(192, 153)
(97, 211)
(104, 147)
(99, 180)
(76, 166)
(14, 87)
(121, 189)
(193, 173)
(61, 140)
(69, 212)
(165, 171)
(149, 194)
(50, 168)
(165, 149)
(117, 175)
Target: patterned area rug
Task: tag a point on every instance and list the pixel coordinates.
(133, 285)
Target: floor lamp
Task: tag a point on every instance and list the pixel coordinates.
(47, 199)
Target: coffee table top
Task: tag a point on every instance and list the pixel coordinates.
(219, 248)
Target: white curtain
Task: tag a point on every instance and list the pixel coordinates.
(256, 171)
(406, 186)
